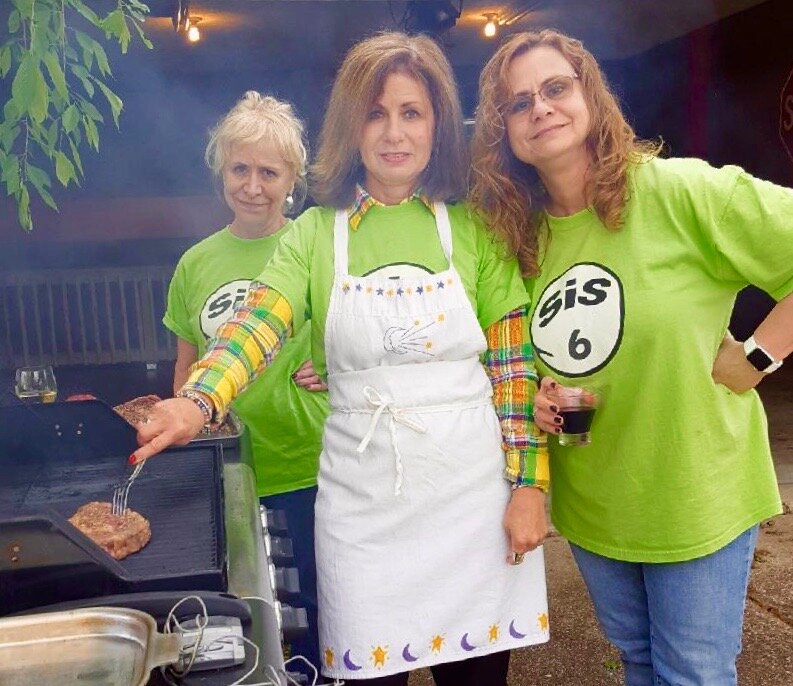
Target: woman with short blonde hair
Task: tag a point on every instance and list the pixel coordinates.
(257, 155)
(258, 118)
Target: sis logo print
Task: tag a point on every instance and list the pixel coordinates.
(220, 305)
(577, 325)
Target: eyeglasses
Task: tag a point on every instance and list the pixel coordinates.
(555, 89)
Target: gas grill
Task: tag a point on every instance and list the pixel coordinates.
(204, 515)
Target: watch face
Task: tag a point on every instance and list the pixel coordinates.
(759, 359)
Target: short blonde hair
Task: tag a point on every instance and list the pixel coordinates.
(358, 84)
(508, 192)
(258, 118)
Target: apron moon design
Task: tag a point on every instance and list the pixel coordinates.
(577, 325)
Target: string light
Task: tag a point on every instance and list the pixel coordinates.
(491, 26)
(193, 34)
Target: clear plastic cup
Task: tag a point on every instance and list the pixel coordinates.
(577, 408)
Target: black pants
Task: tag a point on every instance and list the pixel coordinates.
(478, 671)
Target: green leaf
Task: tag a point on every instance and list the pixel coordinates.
(30, 90)
(113, 100)
(23, 208)
(64, 169)
(38, 177)
(25, 8)
(142, 35)
(8, 136)
(113, 23)
(85, 78)
(101, 60)
(11, 111)
(14, 21)
(52, 134)
(47, 198)
(56, 74)
(40, 45)
(88, 109)
(76, 155)
(5, 60)
(93, 49)
(91, 132)
(71, 118)
(10, 174)
(87, 13)
(86, 43)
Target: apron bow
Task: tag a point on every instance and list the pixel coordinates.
(396, 415)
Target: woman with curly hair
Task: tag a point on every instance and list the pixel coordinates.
(633, 264)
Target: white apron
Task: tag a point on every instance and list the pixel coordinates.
(411, 551)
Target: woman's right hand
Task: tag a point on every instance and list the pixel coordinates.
(546, 412)
(175, 421)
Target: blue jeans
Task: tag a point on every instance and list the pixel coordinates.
(675, 624)
(298, 506)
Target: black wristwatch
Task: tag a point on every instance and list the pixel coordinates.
(759, 358)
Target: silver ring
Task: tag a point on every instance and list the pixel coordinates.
(517, 558)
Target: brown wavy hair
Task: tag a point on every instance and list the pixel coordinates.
(508, 192)
(358, 84)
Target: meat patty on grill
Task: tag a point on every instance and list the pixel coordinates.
(119, 535)
(137, 410)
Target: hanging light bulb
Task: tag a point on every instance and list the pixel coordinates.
(490, 27)
(193, 34)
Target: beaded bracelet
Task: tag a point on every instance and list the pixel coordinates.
(206, 406)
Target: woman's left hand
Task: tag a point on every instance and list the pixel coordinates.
(307, 378)
(525, 521)
(732, 369)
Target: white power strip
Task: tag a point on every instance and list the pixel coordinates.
(220, 644)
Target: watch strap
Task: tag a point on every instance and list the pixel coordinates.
(759, 357)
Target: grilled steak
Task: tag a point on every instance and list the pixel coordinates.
(119, 535)
(80, 396)
(137, 410)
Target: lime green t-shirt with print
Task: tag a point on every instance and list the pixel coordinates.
(397, 241)
(284, 421)
(678, 465)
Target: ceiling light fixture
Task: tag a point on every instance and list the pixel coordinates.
(491, 26)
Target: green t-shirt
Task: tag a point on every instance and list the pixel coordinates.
(284, 421)
(678, 465)
(398, 241)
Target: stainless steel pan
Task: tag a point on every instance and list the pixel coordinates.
(90, 647)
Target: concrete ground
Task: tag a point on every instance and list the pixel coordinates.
(578, 655)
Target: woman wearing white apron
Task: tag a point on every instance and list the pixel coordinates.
(420, 540)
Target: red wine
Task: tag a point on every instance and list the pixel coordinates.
(578, 420)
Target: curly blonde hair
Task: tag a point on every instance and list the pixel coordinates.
(508, 192)
(358, 84)
(258, 118)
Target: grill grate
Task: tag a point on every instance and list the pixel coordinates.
(84, 316)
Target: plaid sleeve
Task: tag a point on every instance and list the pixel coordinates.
(243, 346)
(509, 361)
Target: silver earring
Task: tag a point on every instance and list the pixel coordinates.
(290, 202)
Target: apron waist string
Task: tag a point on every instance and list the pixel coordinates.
(396, 415)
